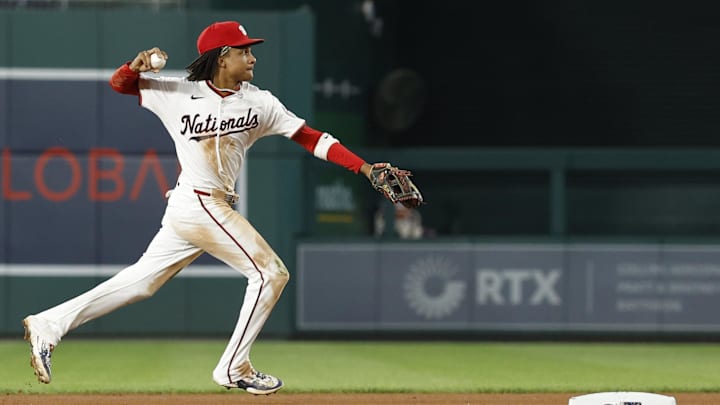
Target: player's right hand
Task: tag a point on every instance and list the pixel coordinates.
(141, 63)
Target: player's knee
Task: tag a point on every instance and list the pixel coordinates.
(277, 274)
(278, 279)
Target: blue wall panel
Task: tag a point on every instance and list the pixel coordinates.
(207, 259)
(4, 102)
(127, 126)
(47, 231)
(127, 224)
(53, 113)
(3, 141)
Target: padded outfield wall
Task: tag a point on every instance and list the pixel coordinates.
(84, 169)
(83, 172)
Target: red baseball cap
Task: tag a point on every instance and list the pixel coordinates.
(224, 33)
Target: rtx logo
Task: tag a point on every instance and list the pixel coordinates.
(432, 287)
(518, 287)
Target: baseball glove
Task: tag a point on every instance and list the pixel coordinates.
(395, 185)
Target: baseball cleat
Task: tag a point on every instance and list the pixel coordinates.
(258, 384)
(40, 349)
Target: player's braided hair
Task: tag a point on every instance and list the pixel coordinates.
(204, 67)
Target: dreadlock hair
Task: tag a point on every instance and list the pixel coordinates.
(204, 67)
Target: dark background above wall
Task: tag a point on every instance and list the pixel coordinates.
(523, 73)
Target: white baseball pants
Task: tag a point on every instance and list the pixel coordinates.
(193, 223)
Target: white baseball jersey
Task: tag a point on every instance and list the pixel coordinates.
(196, 117)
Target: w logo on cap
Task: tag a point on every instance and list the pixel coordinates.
(224, 33)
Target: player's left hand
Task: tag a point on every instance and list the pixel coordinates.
(141, 63)
(395, 185)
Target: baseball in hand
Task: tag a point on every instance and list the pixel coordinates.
(157, 61)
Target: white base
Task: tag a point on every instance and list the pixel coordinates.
(622, 398)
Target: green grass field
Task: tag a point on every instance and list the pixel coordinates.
(143, 366)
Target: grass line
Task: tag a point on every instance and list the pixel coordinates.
(185, 366)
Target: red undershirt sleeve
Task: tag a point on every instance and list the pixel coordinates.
(340, 155)
(124, 80)
(307, 137)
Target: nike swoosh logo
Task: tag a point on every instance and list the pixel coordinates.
(193, 97)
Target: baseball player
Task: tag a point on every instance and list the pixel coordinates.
(214, 116)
